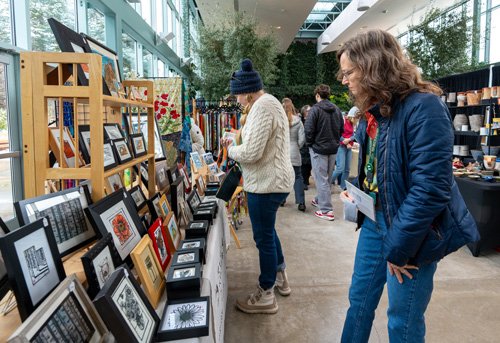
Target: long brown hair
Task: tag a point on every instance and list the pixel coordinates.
(290, 110)
(386, 72)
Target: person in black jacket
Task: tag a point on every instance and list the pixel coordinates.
(324, 126)
(304, 151)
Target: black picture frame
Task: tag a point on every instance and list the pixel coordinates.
(33, 264)
(173, 174)
(3, 226)
(138, 196)
(136, 139)
(117, 215)
(122, 305)
(132, 126)
(122, 151)
(154, 207)
(99, 263)
(186, 256)
(142, 170)
(193, 200)
(194, 243)
(191, 317)
(71, 228)
(184, 281)
(176, 196)
(71, 41)
(112, 131)
(84, 142)
(4, 279)
(110, 160)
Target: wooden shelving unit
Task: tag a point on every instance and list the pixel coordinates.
(46, 76)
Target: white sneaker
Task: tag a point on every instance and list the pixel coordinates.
(327, 215)
(282, 283)
(261, 301)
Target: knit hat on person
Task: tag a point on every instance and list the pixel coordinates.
(246, 80)
(352, 112)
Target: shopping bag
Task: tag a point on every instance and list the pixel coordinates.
(229, 184)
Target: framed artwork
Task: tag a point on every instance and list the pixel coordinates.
(195, 243)
(110, 68)
(112, 131)
(174, 235)
(4, 280)
(183, 281)
(134, 125)
(67, 315)
(109, 155)
(143, 172)
(161, 178)
(65, 211)
(69, 153)
(149, 270)
(185, 177)
(197, 162)
(159, 238)
(117, 215)
(122, 151)
(138, 144)
(33, 264)
(213, 169)
(99, 263)
(165, 209)
(176, 195)
(138, 196)
(125, 309)
(154, 207)
(208, 158)
(173, 174)
(84, 142)
(114, 183)
(186, 257)
(193, 200)
(70, 41)
(185, 318)
(200, 185)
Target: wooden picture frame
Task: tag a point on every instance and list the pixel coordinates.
(149, 270)
(138, 196)
(122, 151)
(65, 210)
(109, 155)
(174, 234)
(68, 302)
(114, 183)
(33, 264)
(165, 209)
(117, 215)
(70, 154)
(112, 131)
(84, 142)
(160, 243)
(125, 309)
(99, 263)
(138, 144)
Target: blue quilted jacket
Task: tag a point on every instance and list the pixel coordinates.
(424, 210)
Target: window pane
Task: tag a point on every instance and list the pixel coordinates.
(495, 36)
(147, 64)
(146, 11)
(129, 56)
(5, 23)
(179, 38)
(160, 27)
(170, 22)
(41, 34)
(6, 198)
(161, 69)
(96, 25)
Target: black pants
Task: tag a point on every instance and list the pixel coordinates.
(306, 172)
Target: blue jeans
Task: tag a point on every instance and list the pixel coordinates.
(262, 209)
(342, 165)
(298, 186)
(407, 301)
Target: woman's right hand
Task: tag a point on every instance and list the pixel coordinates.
(225, 142)
(345, 195)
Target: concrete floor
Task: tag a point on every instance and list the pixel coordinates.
(465, 306)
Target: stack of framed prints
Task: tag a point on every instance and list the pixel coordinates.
(149, 270)
(184, 318)
(196, 161)
(159, 238)
(33, 264)
(99, 263)
(117, 215)
(195, 243)
(65, 211)
(125, 309)
(67, 315)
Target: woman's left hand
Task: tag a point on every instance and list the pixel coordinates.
(400, 271)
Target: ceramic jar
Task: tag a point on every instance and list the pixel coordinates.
(461, 97)
(486, 93)
(476, 122)
(473, 98)
(459, 120)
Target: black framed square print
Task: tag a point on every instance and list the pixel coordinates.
(138, 144)
(33, 264)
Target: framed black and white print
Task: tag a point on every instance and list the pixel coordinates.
(186, 257)
(117, 215)
(66, 213)
(67, 315)
(109, 155)
(184, 318)
(184, 281)
(99, 263)
(193, 200)
(33, 264)
(84, 142)
(125, 309)
(138, 196)
(112, 131)
(138, 144)
(154, 207)
(122, 151)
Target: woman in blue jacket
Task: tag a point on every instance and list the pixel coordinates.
(405, 166)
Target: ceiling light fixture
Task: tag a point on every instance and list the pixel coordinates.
(363, 5)
(326, 40)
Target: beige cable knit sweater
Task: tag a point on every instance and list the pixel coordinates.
(264, 154)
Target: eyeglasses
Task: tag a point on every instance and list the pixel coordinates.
(347, 74)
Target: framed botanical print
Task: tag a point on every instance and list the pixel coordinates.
(159, 238)
(154, 207)
(114, 183)
(33, 264)
(138, 144)
(122, 150)
(84, 142)
(99, 263)
(67, 315)
(185, 318)
(69, 154)
(149, 270)
(117, 215)
(109, 155)
(174, 235)
(165, 209)
(138, 196)
(65, 211)
(125, 309)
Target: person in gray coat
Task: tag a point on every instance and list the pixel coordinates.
(297, 140)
